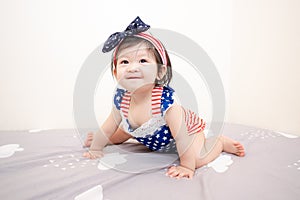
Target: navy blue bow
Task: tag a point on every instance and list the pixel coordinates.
(135, 27)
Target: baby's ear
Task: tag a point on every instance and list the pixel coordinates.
(162, 72)
(115, 72)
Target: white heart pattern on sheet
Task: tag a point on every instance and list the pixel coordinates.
(9, 149)
(110, 160)
(221, 163)
(95, 193)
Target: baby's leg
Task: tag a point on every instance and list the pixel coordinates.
(215, 145)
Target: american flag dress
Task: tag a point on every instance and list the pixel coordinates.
(155, 133)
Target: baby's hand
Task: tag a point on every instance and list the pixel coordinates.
(93, 154)
(180, 172)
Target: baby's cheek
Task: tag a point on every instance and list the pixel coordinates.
(119, 75)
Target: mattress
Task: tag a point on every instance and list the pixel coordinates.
(48, 164)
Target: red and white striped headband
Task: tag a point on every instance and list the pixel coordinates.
(155, 42)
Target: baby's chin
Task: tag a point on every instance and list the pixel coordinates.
(135, 86)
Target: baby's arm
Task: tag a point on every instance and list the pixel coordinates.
(101, 138)
(176, 123)
(119, 137)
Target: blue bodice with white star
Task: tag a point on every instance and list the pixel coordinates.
(155, 134)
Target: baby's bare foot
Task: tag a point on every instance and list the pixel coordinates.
(89, 139)
(232, 146)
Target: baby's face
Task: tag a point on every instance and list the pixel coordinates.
(136, 67)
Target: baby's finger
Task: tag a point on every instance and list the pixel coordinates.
(190, 175)
(173, 173)
(182, 175)
(171, 170)
(86, 154)
(96, 154)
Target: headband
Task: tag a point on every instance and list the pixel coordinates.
(135, 28)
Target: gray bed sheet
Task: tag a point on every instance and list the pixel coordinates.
(48, 164)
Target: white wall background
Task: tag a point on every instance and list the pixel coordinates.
(265, 69)
(45, 42)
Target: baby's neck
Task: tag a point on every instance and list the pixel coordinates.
(142, 94)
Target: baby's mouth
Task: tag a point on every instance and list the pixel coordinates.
(133, 77)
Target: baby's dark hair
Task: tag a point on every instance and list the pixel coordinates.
(133, 41)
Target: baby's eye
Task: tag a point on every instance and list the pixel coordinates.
(124, 62)
(143, 61)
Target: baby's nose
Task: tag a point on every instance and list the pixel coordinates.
(133, 67)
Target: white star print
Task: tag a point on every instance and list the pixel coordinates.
(165, 138)
(166, 132)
